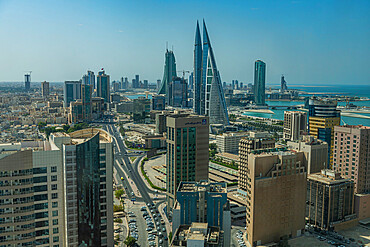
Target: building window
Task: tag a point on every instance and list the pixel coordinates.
(54, 187)
(40, 170)
(55, 213)
(54, 204)
(55, 222)
(54, 195)
(56, 239)
(54, 178)
(55, 230)
(53, 169)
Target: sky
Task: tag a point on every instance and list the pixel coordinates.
(310, 42)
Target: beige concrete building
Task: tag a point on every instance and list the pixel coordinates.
(229, 142)
(246, 146)
(187, 151)
(275, 196)
(295, 125)
(43, 183)
(17, 218)
(47, 188)
(352, 155)
(315, 151)
(330, 200)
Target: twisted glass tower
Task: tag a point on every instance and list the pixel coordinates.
(209, 97)
(169, 74)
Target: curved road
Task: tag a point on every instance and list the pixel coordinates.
(122, 162)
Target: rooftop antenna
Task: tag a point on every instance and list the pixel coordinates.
(167, 45)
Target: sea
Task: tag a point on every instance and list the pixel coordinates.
(346, 90)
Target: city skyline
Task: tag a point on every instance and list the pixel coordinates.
(62, 39)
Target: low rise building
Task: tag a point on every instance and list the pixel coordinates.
(197, 235)
(229, 142)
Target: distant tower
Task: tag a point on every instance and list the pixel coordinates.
(27, 81)
(137, 81)
(169, 73)
(283, 84)
(259, 82)
(45, 90)
(103, 86)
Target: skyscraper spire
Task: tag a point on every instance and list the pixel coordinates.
(209, 97)
(169, 73)
(197, 72)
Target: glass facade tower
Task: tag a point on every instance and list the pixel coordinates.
(209, 97)
(259, 83)
(168, 75)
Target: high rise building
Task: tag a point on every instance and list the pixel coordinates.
(178, 92)
(198, 104)
(187, 156)
(330, 200)
(81, 110)
(295, 124)
(209, 97)
(246, 146)
(352, 155)
(259, 83)
(158, 84)
(88, 173)
(315, 151)
(45, 91)
(276, 195)
(158, 102)
(72, 91)
(322, 117)
(146, 85)
(191, 81)
(58, 192)
(283, 86)
(137, 81)
(17, 210)
(103, 86)
(168, 75)
(115, 86)
(89, 79)
(203, 202)
(27, 82)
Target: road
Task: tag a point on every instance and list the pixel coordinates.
(122, 161)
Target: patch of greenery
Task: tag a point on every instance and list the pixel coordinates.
(118, 220)
(117, 208)
(119, 193)
(130, 241)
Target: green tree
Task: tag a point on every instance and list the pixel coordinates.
(130, 241)
(41, 125)
(118, 193)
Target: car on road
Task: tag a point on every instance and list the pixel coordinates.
(163, 229)
(162, 221)
(165, 237)
(160, 241)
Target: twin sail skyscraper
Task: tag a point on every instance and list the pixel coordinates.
(209, 97)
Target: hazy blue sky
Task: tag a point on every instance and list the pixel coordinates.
(311, 42)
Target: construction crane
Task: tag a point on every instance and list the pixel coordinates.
(183, 72)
